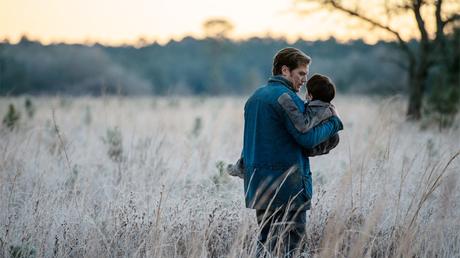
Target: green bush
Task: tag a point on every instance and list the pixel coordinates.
(221, 177)
(197, 126)
(22, 251)
(11, 119)
(114, 141)
(30, 108)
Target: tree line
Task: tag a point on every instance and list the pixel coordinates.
(211, 66)
(216, 66)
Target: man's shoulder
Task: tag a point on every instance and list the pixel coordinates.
(271, 92)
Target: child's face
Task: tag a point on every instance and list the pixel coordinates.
(308, 97)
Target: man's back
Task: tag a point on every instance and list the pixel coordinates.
(265, 131)
(277, 178)
(276, 172)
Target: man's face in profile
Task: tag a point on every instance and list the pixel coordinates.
(297, 77)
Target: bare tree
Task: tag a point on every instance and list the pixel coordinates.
(217, 28)
(418, 60)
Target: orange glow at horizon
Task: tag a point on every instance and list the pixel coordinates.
(116, 22)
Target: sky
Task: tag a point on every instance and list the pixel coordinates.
(116, 22)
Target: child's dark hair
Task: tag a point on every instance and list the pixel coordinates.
(320, 87)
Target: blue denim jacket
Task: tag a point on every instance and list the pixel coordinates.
(277, 173)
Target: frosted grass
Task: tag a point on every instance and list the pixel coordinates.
(385, 191)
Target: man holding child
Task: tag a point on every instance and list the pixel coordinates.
(280, 132)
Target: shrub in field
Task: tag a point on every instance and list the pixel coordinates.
(56, 142)
(30, 108)
(87, 118)
(197, 126)
(22, 251)
(114, 141)
(221, 177)
(442, 107)
(72, 178)
(444, 99)
(11, 119)
(65, 102)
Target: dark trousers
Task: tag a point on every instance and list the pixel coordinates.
(281, 231)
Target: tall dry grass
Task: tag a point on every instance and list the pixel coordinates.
(116, 177)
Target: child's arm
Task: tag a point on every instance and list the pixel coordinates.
(312, 118)
(321, 114)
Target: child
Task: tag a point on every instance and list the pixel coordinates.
(320, 92)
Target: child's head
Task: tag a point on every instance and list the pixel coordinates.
(320, 87)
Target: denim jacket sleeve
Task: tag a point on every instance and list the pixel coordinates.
(299, 126)
(324, 147)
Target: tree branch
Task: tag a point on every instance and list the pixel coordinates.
(440, 38)
(417, 4)
(437, 14)
(335, 4)
(452, 18)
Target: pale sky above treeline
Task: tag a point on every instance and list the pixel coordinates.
(117, 22)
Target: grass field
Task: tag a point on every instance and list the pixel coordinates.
(124, 177)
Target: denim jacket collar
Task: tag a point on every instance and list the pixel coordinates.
(282, 80)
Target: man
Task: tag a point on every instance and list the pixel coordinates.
(277, 180)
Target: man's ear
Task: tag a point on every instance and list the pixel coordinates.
(285, 70)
